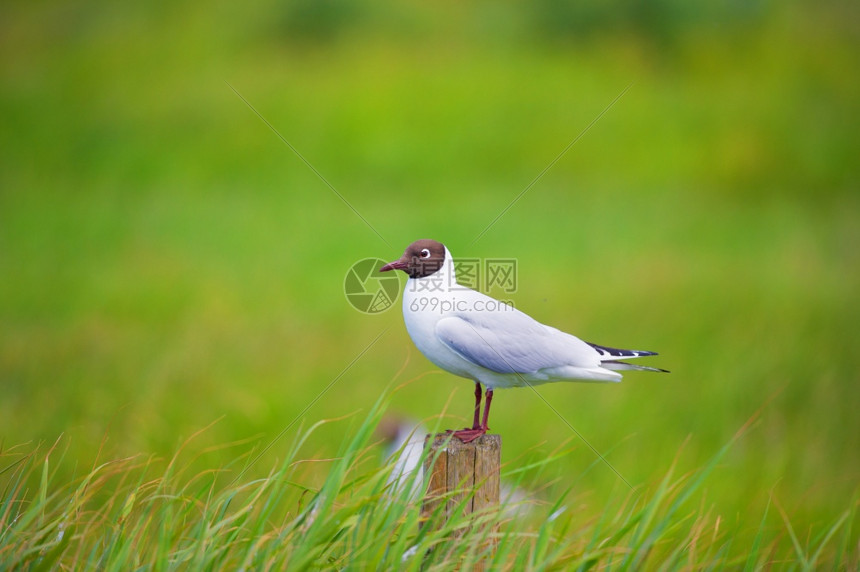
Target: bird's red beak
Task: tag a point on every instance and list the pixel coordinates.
(396, 265)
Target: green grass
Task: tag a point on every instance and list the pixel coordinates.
(151, 514)
(167, 264)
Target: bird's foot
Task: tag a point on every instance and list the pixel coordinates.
(469, 435)
(472, 428)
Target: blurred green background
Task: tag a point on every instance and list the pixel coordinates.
(166, 261)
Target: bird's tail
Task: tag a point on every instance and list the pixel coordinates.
(622, 365)
(607, 360)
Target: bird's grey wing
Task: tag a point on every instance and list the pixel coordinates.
(512, 342)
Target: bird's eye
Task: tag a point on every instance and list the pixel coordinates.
(425, 253)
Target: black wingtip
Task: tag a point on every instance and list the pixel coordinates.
(616, 352)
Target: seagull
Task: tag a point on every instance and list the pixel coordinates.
(488, 341)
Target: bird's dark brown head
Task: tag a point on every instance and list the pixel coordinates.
(422, 258)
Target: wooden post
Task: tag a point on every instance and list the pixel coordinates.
(453, 469)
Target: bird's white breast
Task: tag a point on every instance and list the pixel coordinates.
(424, 304)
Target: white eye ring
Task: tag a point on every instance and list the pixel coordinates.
(425, 253)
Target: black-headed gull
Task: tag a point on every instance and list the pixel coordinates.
(490, 342)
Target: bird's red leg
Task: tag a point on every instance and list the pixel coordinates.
(467, 435)
(484, 426)
(476, 424)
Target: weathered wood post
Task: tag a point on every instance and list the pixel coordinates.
(454, 469)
